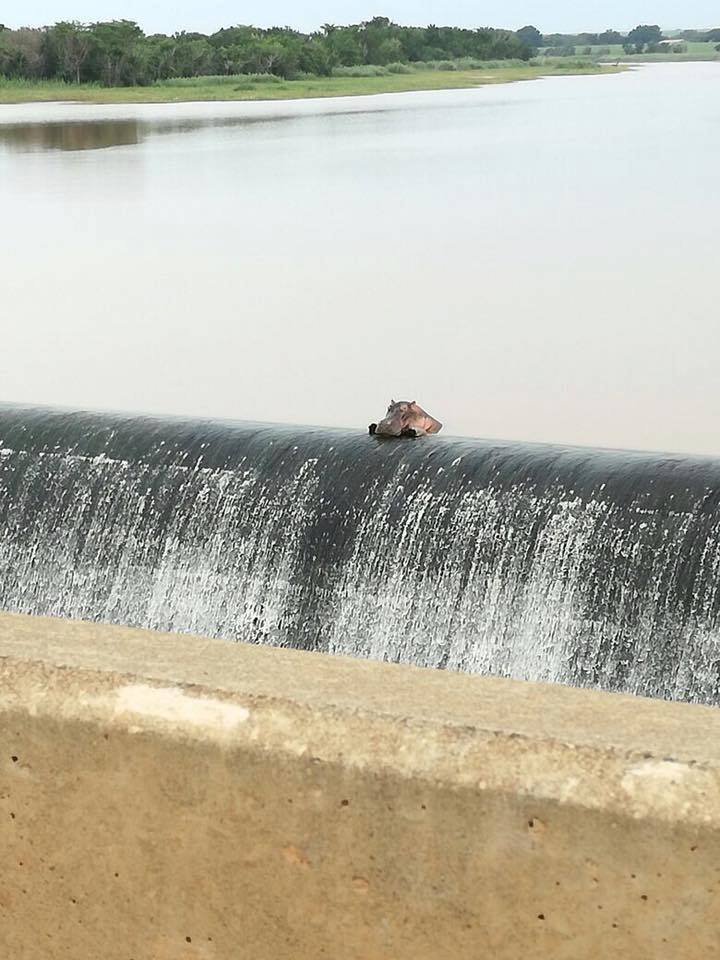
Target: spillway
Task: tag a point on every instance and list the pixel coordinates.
(586, 567)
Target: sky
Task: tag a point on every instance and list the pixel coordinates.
(167, 16)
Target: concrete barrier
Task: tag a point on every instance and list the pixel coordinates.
(165, 797)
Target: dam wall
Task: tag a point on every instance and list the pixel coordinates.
(593, 568)
(165, 797)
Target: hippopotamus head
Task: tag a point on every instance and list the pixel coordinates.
(406, 418)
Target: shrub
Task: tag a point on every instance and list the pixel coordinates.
(243, 79)
(362, 70)
(469, 63)
(398, 68)
(566, 51)
(575, 65)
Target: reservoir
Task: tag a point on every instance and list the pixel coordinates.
(534, 261)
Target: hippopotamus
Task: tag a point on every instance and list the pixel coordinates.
(404, 418)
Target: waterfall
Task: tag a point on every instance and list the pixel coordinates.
(587, 567)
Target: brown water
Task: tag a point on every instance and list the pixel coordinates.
(535, 261)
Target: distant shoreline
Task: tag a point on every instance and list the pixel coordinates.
(237, 88)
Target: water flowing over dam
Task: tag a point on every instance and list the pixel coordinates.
(587, 567)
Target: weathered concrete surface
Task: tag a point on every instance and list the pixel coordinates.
(165, 797)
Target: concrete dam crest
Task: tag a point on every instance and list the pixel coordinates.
(586, 567)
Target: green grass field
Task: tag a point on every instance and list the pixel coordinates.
(275, 88)
(693, 51)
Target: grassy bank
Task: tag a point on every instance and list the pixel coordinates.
(268, 87)
(705, 56)
(692, 50)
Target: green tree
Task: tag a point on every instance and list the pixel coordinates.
(22, 53)
(160, 62)
(531, 37)
(343, 45)
(645, 33)
(69, 44)
(113, 49)
(374, 35)
(610, 38)
(316, 57)
(194, 55)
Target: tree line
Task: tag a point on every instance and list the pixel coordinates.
(643, 38)
(118, 52)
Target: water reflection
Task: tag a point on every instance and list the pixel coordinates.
(72, 135)
(96, 135)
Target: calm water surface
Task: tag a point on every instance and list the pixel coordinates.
(537, 261)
